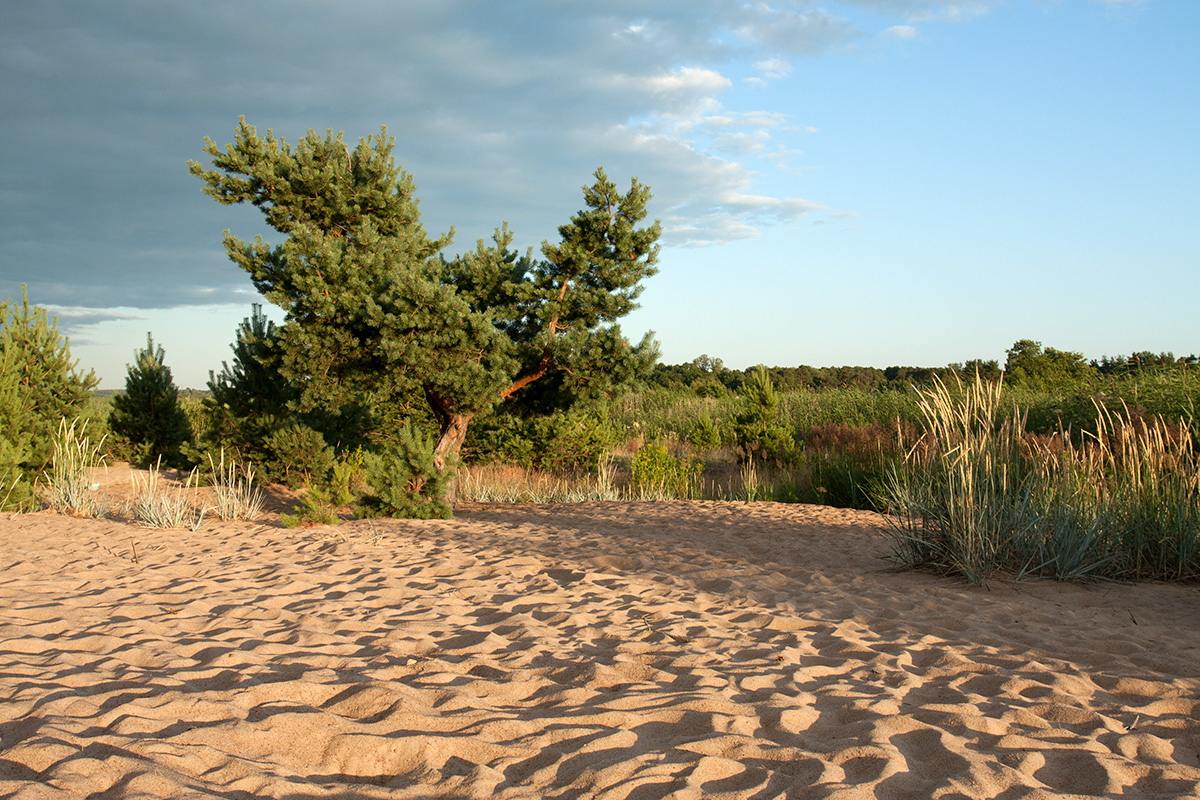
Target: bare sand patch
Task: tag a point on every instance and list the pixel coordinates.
(615, 650)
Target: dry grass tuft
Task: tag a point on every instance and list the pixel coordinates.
(158, 506)
(233, 486)
(69, 486)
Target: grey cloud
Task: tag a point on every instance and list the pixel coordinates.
(500, 111)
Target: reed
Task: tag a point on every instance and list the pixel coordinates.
(1130, 492)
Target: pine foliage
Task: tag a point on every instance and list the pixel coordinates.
(39, 386)
(148, 415)
(381, 328)
(760, 434)
(405, 479)
(248, 401)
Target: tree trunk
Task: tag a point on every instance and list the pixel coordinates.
(450, 442)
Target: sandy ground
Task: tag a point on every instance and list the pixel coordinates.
(608, 650)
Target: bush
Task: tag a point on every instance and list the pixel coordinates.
(705, 435)
(404, 481)
(248, 401)
(564, 441)
(322, 502)
(760, 436)
(16, 451)
(300, 455)
(657, 475)
(148, 415)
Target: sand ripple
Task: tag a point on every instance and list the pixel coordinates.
(611, 650)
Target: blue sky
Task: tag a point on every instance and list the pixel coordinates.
(869, 182)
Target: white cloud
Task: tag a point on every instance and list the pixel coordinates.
(685, 79)
(796, 32)
(901, 32)
(773, 68)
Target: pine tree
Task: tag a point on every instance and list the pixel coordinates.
(248, 401)
(379, 324)
(760, 436)
(39, 385)
(148, 415)
(51, 381)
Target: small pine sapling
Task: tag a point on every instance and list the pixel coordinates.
(148, 415)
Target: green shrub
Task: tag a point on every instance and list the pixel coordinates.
(301, 456)
(760, 436)
(564, 441)
(705, 434)
(248, 400)
(404, 480)
(16, 451)
(39, 386)
(321, 502)
(657, 475)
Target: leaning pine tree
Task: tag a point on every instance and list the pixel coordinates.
(378, 321)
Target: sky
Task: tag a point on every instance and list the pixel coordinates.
(840, 182)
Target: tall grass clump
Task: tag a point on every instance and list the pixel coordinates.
(233, 486)
(511, 483)
(977, 494)
(68, 482)
(961, 497)
(1123, 503)
(158, 506)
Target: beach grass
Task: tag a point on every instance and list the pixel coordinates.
(69, 486)
(977, 494)
(157, 505)
(237, 498)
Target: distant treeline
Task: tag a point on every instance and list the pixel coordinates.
(1027, 362)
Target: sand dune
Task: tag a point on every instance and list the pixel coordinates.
(609, 650)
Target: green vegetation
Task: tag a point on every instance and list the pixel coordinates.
(401, 376)
(148, 415)
(979, 495)
(383, 331)
(68, 481)
(40, 385)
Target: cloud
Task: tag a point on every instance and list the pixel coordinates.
(773, 68)
(500, 111)
(901, 32)
(72, 319)
(805, 33)
(925, 10)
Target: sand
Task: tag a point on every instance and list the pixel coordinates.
(607, 650)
